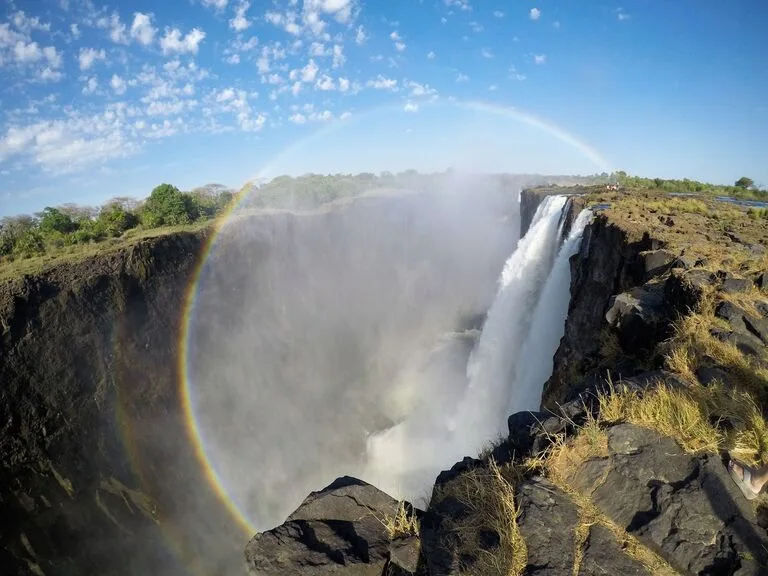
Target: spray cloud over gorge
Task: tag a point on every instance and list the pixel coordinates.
(348, 341)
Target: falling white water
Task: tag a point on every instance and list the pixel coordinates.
(547, 329)
(457, 415)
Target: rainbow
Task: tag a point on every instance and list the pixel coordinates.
(186, 394)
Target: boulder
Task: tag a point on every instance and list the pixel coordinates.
(733, 284)
(656, 262)
(338, 530)
(685, 288)
(639, 316)
(684, 507)
(762, 280)
(743, 322)
(547, 522)
(709, 374)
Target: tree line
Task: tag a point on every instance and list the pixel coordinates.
(69, 225)
(743, 189)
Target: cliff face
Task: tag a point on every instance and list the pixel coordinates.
(89, 410)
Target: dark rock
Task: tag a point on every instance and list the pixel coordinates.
(709, 374)
(747, 326)
(734, 284)
(404, 554)
(684, 289)
(744, 341)
(547, 521)
(641, 382)
(684, 507)
(685, 261)
(466, 464)
(523, 427)
(337, 528)
(604, 556)
(640, 317)
(701, 262)
(762, 280)
(656, 262)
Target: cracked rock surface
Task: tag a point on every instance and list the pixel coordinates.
(338, 530)
(686, 508)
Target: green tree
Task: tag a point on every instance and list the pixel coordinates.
(745, 182)
(168, 206)
(114, 219)
(53, 220)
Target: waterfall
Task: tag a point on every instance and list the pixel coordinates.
(547, 329)
(466, 411)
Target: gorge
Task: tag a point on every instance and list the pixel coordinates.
(163, 402)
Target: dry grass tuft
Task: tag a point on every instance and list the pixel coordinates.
(403, 524)
(673, 413)
(488, 495)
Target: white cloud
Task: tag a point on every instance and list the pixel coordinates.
(460, 4)
(493, 88)
(486, 53)
(298, 118)
(50, 75)
(91, 85)
(418, 90)
(430, 55)
(88, 56)
(296, 88)
(25, 24)
(53, 56)
(382, 83)
(476, 26)
(117, 30)
(400, 46)
(498, 14)
(411, 107)
(621, 15)
(215, 4)
(142, 29)
(309, 72)
(240, 22)
(173, 41)
(74, 29)
(226, 94)
(534, 14)
(325, 83)
(27, 52)
(395, 36)
(233, 59)
(540, 59)
(360, 36)
(462, 78)
(9, 37)
(118, 84)
(318, 49)
(70, 144)
(343, 84)
(343, 11)
(345, 115)
(338, 56)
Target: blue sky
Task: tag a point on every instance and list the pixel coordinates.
(100, 100)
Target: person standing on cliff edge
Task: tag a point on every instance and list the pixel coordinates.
(749, 480)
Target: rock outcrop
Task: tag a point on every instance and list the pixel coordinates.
(340, 530)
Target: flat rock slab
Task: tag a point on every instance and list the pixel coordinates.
(686, 508)
(338, 530)
(547, 522)
(603, 556)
